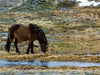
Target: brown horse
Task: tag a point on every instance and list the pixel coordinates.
(32, 32)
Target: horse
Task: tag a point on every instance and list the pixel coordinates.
(31, 33)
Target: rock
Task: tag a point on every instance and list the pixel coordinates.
(63, 21)
(6, 4)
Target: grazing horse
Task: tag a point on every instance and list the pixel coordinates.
(32, 32)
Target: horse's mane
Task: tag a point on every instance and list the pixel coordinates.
(36, 29)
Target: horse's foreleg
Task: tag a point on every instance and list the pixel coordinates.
(32, 48)
(16, 42)
(29, 46)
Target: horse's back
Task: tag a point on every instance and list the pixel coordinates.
(20, 32)
(13, 28)
(24, 33)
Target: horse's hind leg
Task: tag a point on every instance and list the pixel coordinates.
(8, 43)
(16, 43)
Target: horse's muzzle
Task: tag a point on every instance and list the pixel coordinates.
(46, 52)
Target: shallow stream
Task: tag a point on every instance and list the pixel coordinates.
(5, 63)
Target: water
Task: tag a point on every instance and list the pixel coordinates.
(5, 63)
(93, 55)
(4, 34)
(91, 27)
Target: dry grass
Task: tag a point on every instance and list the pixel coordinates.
(71, 58)
(78, 39)
(37, 69)
(43, 57)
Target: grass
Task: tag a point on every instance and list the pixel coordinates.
(68, 40)
(29, 70)
(81, 36)
(66, 57)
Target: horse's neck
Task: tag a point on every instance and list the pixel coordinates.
(42, 39)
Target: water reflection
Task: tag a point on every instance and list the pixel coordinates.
(5, 63)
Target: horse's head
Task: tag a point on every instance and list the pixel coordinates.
(42, 40)
(44, 47)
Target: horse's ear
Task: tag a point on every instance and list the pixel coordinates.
(31, 24)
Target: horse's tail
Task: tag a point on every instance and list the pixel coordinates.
(7, 44)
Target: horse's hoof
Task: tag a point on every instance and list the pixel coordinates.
(32, 52)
